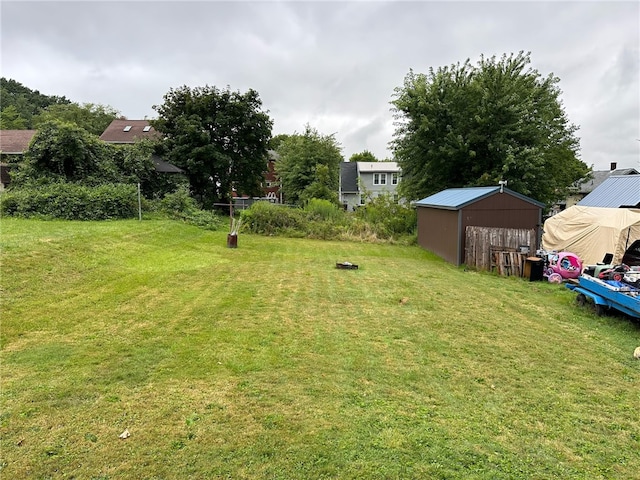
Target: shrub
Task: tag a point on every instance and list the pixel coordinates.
(179, 205)
(178, 202)
(270, 219)
(387, 217)
(381, 220)
(70, 201)
(325, 210)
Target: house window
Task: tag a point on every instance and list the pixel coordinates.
(146, 128)
(394, 179)
(379, 178)
(127, 128)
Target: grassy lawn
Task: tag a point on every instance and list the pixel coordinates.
(266, 361)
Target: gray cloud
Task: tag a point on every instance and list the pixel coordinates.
(333, 65)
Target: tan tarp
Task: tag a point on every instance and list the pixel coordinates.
(592, 232)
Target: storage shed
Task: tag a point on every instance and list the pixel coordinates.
(443, 217)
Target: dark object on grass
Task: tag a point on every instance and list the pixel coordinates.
(346, 266)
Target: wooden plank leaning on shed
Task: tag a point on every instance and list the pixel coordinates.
(481, 243)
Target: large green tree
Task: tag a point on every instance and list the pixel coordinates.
(219, 137)
(24, 101)
(64, 152)
(275, 142)
(10, 119)
(309, 166)
(364, 156)
(94, 118)
(468, 125)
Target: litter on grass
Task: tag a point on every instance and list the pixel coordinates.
(346, 266)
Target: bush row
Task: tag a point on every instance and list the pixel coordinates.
(381, 220)
(70, 201)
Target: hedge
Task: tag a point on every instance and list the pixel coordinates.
(70, 201)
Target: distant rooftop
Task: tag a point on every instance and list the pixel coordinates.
(128, 131)
(369, 167)
(599, 176)
(615, 192)
(15, 141)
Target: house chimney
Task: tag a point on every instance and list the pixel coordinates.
(614, 165)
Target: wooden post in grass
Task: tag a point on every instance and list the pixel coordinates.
(232, 239)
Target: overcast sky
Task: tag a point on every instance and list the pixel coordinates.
(333, 65)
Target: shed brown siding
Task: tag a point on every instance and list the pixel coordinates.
(442, 230)
(438, 232)
(501, 210)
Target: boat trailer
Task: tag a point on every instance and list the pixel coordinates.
(607, 294)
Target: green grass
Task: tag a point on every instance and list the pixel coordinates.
(266, 361)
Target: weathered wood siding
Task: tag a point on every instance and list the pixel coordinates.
(487, 248)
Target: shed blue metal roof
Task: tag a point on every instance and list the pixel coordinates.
(615, 192)
(457, 198)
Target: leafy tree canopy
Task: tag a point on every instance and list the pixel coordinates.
(275, 141)
(321, 188)
(64, 152)
(136, 164)
(92, 117)
(10, 119)
(309, 166)
(25, 102)
(219, 137)
(364, 156)
(68, 153)
(468, 125)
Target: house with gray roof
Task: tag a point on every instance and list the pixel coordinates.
(349, 189)
(363, 181)
(589, 184)
(616, 191)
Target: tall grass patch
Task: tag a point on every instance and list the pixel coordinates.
(267, 218)
(382, 220)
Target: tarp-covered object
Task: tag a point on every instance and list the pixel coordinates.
(592, 232)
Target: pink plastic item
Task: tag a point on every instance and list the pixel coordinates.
(565, 264)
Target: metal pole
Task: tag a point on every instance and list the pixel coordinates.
(139, 204)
